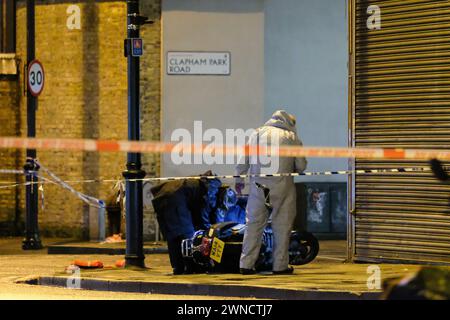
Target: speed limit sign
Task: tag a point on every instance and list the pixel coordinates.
(36, 78)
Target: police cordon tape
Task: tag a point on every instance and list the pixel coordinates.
(92, 201)
(169, 147)
(54, 179)
(295, 174)
(84, 197)
(199, 177)
(13, 171)
(100, 204)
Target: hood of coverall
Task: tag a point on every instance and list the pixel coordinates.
(283, 120)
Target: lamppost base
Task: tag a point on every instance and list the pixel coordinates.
(32, 239)
(32, 243)
(132, 261)
(134, 258)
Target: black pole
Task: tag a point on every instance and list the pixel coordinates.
(134, 208)
(32, 239)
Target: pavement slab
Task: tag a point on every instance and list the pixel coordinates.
(19, 269)
(319, 276)
(327, 277)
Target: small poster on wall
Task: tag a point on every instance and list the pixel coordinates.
(198, 63)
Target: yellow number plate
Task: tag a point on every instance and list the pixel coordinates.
(217, 250)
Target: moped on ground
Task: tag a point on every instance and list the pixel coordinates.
(219, 248)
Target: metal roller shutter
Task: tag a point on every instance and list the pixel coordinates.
(400, 97)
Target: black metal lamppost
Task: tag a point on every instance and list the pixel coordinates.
(32, 239)
(134, 204)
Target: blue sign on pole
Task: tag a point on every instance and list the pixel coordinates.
(137, 47)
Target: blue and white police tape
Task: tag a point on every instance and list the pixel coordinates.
(198, 177)
(56, 180)
(323, 173)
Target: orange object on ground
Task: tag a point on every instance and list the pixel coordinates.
(114, 238)
(120, 263)
(96, 264)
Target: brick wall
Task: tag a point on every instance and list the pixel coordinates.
(10, 124)
(85, 96)
(151, 95)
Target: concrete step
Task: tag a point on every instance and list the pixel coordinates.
(102, 248)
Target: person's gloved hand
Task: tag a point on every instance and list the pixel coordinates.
(239, 186)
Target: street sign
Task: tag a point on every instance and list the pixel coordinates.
(137, 47)
(198, 63)
(36, 78)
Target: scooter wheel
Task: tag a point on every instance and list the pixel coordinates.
(303, 248)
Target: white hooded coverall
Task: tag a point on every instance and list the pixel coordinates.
(282, 194)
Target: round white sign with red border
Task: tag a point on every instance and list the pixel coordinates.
(36, 78)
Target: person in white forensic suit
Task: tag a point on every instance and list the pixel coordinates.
(279, 129)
